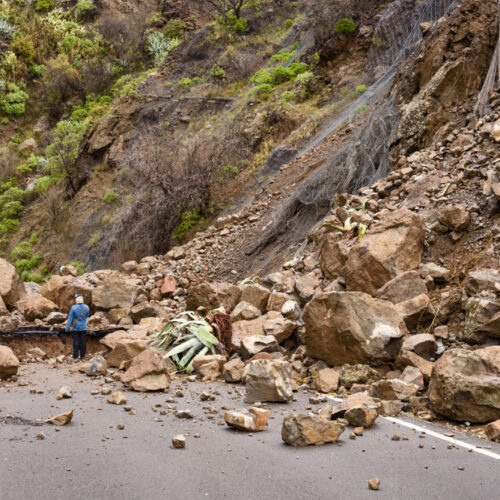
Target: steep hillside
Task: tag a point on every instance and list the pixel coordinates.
(191, 108)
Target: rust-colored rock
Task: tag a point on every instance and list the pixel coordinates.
(147, 372)
(11, 287)
(352, 327)
(213, 295)
(305, 430)
(465, 385)
(35, 306)
(389, 248)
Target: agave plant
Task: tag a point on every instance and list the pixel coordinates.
(185, 337)
(349, 226)
(6, 29)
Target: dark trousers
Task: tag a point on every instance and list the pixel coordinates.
(79, 344)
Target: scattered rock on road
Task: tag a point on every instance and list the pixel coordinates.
(304, 430)
(96, 366)
(179, 441)
(251, 420)
(374, 483)
(268, 380)
(117, 398)
(9, 363)
(492, 431)
(62, 419)
(65, 392)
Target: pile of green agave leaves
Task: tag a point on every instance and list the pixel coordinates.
(185, 337)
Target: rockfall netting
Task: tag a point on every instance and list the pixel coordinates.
(492, 78)
(364, 158)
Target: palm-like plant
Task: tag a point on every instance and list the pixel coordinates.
(186, 337)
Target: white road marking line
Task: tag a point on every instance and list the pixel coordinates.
(437, 435)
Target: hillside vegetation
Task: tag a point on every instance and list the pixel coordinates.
(126, 125)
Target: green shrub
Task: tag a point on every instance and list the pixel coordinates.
(13, 103)
(81, 267)
(185, 83)
(225, 172)
(345, 25)
(4, 121)
(188, 219)
(361, 89)
(62, 153)
(263, 91)
(22, 45)
(36, 70)
(26, 260)
(31, 164)
(35, 277)
(110, 196)
(283, 56)
(264, 75)
(288, 23)
(287, 96)
(362, 108)
(43, 183)
(44, 4)
(8, 225)
(305, 77)
(175, 28)
(233, 23)
(217, 71)
(84, 8)
(159, 45)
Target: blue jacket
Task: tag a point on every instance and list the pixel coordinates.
(81, 324)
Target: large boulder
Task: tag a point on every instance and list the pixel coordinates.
(245, 311)
(404, 287)
(213, 295)
(147, 372)
(454, 217)
(305, 430)
(327, 380)
(390, 247)
(465, 385)
(250, 346)
(199, 361)
(9, 364)
(393, 389)
(416, 311)
(233, 370)
(35, 306)
(333, 255)
(422, 344)
(125, 350)
(482, 315)
(256, 295)
(62, 289)
(11, 287)
(268, 380)
(115, 291)
(482, 280)
(352, 327)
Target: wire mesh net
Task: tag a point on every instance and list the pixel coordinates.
(492, 78)
(364, 158)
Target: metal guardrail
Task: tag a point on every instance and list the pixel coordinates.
(53, 332)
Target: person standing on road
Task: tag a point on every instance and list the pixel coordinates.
(77, 325)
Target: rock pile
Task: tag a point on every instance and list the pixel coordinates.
(406, 300)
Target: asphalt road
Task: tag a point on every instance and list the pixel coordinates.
(92, 459)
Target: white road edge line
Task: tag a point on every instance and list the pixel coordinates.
(437, 435)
